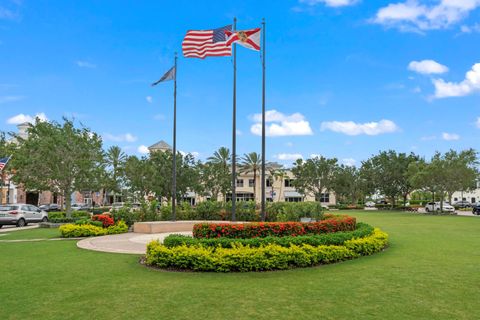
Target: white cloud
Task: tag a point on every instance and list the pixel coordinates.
(288, 156)
(330, 3)
(477, 123)
(469, 29)
(427, 67)
(149, 99)
(353, 129)
(6, 99)
(126, 137)
(21, 118)
(143, 149)
(349, 162)
(450, 136)
(85, 64)
(411, 15)
(469, 85)
(281, 124)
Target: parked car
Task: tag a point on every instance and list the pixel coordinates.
(435, 206)
(462, 204)
(476, 208)
(21, 214)
(50, 207)
(370, 204)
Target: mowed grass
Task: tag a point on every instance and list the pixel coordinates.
(38, 233)
(430, 271)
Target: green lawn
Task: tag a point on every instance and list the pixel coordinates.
(430, 271)
(38, 233)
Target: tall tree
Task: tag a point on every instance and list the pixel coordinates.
(59, 158)
(115, 159)
(217, 172)
(161, 175)
(138, 175)
(252, 162)
(388, 174)
(348, 184)
(315, 175)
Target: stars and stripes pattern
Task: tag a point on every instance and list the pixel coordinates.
(3, 162)
(247, 38)
(206, 43)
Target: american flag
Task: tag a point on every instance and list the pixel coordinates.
(206, 43)
(3, 162)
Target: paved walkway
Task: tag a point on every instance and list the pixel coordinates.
(132, 243)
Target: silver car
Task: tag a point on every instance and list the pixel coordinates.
(21, 214)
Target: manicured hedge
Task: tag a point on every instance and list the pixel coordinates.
(63, 214)
(277, 229)
(88, 230)
(336, 238)
(270, 257)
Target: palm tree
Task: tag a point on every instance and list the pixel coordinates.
(251, 162)
(281, 174)
(221, 156)
(116, 161)
(275, 173)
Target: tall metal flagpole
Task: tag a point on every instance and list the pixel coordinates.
(174, 166)
(263, 121)
(234, 128)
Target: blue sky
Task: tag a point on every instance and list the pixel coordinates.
(345, 78)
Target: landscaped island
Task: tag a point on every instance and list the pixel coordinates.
(266, 246)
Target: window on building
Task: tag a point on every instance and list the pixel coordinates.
(324, 197)
(473, 200)
(241, 196)
(289, 182)
(269, 182)
(251, 182)
(293, 199)
(240, 183)
(455, 199)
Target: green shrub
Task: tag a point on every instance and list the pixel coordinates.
(56, 215)
(125, 214)
(294, 211)
(119, 227)
(208, 210)
(90, 230)
(270, 257)
(62, 220)
(336, 238)
(148, 211)
(100, 210)
(88, 221)
(81, 214)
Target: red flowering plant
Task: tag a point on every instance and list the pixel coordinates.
(275, 229)
(105, 218)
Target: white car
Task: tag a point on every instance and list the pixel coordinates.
(21, 214)
(370, 204)
(435, 206)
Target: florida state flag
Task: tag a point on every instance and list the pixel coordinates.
(248, 38)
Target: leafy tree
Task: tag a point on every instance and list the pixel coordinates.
(252, 162)
(388, 174)
(348, 184)
(6, 150)
(138, 175)
(161, 174)
(59, 158)
(315, 175)
(115, 159)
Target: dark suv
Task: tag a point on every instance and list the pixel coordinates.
(476, 208)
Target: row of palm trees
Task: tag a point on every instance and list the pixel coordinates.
(248, 163)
